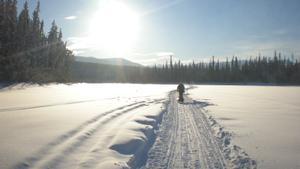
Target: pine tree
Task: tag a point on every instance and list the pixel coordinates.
(42, 34)
(36, 26)
(23, 28)
(2, 58)
(11, 25)
(53, 34)
(8, 34)
(2, 27)
(26, 53)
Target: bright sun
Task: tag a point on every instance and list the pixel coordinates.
(114, 28)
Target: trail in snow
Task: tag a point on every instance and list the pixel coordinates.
(121, 138)
(84, 146)
(188, 138)
(43, 106)
(185, 140)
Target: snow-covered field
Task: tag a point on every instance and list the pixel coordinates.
(61, 126)
(114, 126)
(265, 120)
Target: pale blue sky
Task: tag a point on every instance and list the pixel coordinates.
(189, 29)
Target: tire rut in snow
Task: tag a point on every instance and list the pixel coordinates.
(56, 152)
(185, 140)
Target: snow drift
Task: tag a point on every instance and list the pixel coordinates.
(73, 126)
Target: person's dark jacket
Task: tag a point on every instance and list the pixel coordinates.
(180, 88)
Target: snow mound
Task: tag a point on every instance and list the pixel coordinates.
(138, 136)
(235, 156)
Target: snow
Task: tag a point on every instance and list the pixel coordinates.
(264, 120)
(188, 138)
(62, 126)
(184, 140)
(122, 125)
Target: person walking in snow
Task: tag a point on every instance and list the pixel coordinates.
(180, 90)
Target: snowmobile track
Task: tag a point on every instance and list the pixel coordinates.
(185, 140)
(84, 139)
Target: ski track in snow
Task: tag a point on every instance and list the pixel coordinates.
(79, 147)
(185, 140)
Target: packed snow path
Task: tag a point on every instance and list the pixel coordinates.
(185, 139)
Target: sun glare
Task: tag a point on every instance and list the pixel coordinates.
(114, 28)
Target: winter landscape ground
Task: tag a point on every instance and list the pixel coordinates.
(264, 120)
(143, 126)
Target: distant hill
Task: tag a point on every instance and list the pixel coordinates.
(107, 61)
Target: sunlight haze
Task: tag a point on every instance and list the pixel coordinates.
(149, 84)
(190, 29)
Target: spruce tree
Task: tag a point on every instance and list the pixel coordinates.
(53, 33)
(36, 26)
(23, 28)
(2, 12)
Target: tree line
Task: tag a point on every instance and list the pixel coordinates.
(27, 53)
(275, 70)
(260, 69)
